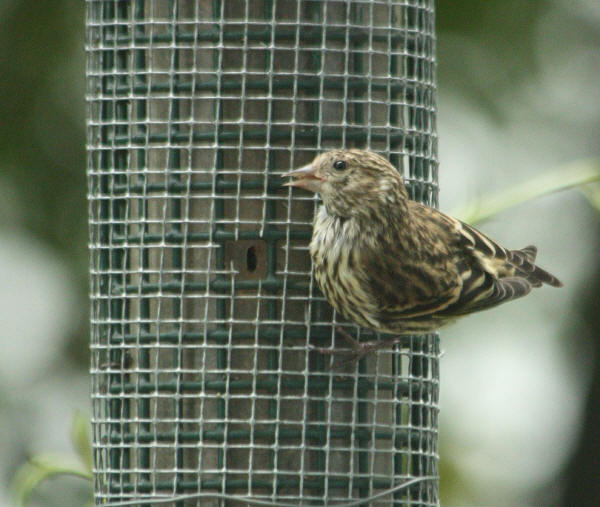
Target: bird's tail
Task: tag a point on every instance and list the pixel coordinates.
(524, 262)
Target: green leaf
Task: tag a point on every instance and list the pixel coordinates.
(82, 439)
(47, 466)
(578, 174)
(43, 467)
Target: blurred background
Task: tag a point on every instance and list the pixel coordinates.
(520, 388)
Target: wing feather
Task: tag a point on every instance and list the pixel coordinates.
(520, 262)
(459, 270)
(492, 293)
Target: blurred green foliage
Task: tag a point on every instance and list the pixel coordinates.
(42, 135)
(500, 47)
(42, 119)
(487, 50)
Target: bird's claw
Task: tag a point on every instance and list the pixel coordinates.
(357, 351)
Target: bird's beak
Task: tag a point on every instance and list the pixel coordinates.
(305, 177)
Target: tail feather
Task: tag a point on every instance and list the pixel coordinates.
(542, 276)
(523, 260)
(506, 263)
(530, 252)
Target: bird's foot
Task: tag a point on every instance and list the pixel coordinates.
(357, 351)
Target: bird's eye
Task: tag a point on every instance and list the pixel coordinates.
(339, 165)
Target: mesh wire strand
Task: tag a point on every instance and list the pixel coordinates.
(203, 305)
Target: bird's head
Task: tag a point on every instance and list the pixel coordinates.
(351, 182)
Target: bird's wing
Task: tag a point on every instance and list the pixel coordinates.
(450, 270)
(482, 290)
(492, 274)
(403, 294)
(502, 262)
(410, 282)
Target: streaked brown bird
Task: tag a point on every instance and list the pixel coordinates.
(393, 265)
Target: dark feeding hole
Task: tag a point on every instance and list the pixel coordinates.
(251, 259)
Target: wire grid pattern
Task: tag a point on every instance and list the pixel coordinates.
(204, 311)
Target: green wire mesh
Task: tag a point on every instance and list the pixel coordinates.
(203, 307)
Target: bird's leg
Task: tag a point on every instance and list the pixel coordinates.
(358, 349)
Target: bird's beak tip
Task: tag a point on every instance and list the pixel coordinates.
(306, 170)
(304, 177)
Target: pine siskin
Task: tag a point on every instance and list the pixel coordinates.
(397, 266)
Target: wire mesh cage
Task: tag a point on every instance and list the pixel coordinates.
(205, 385)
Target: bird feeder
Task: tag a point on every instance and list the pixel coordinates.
(205, 383)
